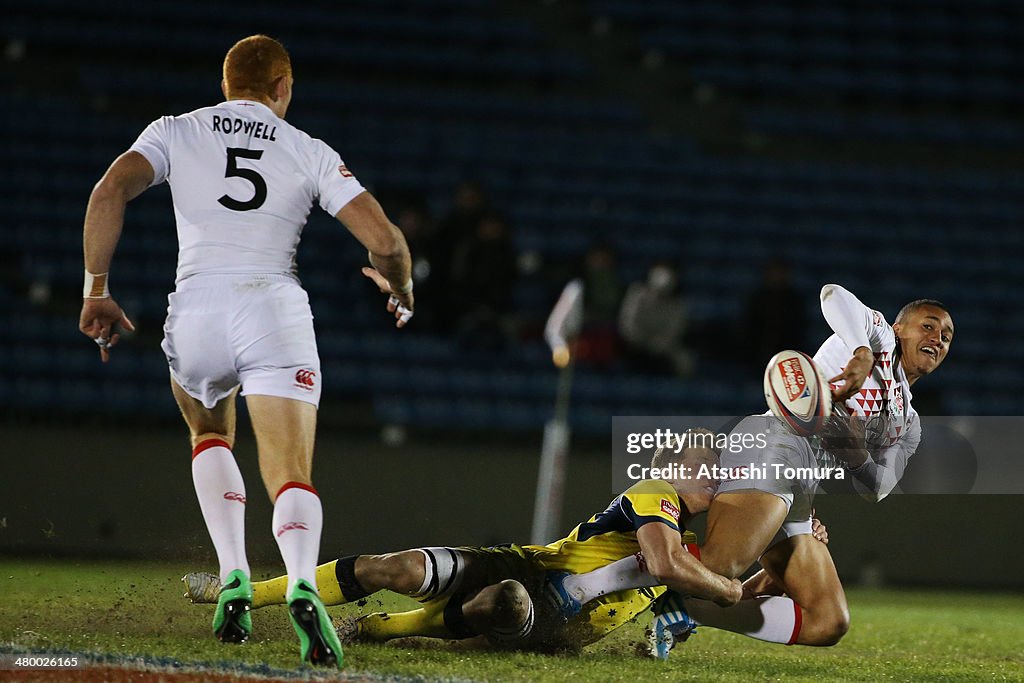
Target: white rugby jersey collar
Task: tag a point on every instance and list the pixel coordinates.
(245, 104)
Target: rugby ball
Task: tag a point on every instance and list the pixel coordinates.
(797, 393)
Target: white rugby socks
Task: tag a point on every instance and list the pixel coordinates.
(772, 619)
(629, 572)
(297, 522)
(221, 494)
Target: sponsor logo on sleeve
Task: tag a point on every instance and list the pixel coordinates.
(235, 496)
(669, 508)
(345, 173)
(878, 319)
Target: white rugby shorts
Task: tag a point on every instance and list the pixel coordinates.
(781, 447)
(251, 330)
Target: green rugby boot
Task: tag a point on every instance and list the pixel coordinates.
(232, 621)
(320, 644)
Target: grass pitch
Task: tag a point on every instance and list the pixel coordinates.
(133, 615)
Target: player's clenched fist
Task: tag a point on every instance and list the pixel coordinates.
(99, 321)
(731, 594)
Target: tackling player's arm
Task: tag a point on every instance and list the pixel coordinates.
(126, 179)
(672, 566)
(854, 323)
(389, 253)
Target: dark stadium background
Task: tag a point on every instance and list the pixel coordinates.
(870, 143)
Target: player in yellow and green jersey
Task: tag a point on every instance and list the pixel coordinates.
(497, 591)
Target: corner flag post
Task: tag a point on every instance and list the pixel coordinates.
(562, 327)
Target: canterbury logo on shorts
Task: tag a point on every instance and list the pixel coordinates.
(305, 379)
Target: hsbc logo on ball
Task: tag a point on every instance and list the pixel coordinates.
(305, 379)
(793, 378)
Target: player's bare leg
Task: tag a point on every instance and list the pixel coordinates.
(355, 577)
(803, 567)
(285, 433)
(740, 526)
(221, 493)
(402, 572)
(207, 423)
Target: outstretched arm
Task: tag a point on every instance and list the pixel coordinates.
(126, 179)
(856, 325)
(669, 563)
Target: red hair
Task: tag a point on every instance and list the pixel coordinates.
(253, 66)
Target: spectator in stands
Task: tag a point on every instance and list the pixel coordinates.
(652, 322)
(413, 218)
(774, 318)
(598, 342)
(468, 208)
(12, 273)
(482, 277)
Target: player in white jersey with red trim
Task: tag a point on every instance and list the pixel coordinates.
(243, 181)
(872, 366)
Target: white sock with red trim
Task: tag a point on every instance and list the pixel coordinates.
(298, 520)
(221, 494)
(771, 618)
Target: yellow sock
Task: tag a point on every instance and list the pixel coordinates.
(274, 591)
(327, 584)
(427, 621)
(270, 592)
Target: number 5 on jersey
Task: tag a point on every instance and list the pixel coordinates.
(258, 183)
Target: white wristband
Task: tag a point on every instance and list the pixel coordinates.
(95, 286)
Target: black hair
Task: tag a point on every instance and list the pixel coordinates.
(916, 304)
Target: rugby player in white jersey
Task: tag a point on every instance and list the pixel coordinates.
(797, 598)
(243, 181)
